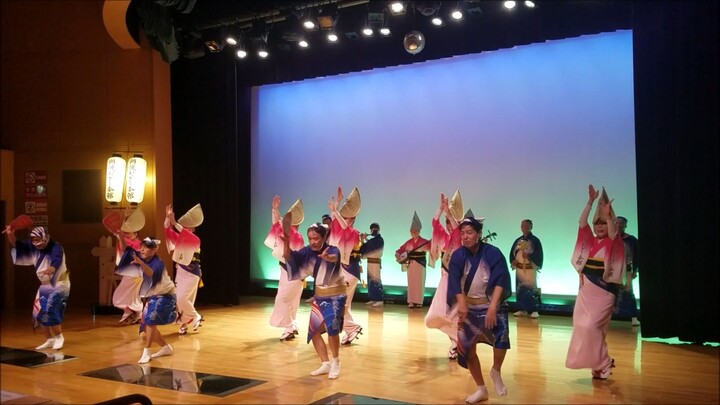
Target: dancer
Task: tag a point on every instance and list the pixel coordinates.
(347, 239)
(48, 258)
(444, 242)
(184, 246)
(158, 290)
(288, 295)
(127, 294)
(600, 262)
(322, 262)
(411, 255)
(479, 284)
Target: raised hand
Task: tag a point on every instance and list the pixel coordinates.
(276, 202)
(169, 211)
(339, 194)
(592, 193)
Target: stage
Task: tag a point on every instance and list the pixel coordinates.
(236, 357)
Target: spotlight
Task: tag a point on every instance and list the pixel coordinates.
(332, 37)
(367, 31)
(529, 4)
(303, 44)
(397, 8)
(437, 21)
(241, 53)
(456, 14)
(414, 42)
(263, 53)
(509, 4)
(384, 31)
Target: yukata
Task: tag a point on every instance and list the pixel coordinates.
(127, 294)
(415, 267)
(347, 240)
(476, 276)
(442, 246)
(287, 299)
(187, 270)
(600, 264)
(626, 306)
(158, 289)
(328, 307)
(372, 251)
(526, 270)
(52, 295)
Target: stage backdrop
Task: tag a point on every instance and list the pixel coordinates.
(520, 132)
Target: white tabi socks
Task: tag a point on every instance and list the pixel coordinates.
(498, 382)
(480, 395)
(324, 369)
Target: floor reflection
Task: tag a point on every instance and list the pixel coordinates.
(177, 380)
(31, 358)
(343, 398)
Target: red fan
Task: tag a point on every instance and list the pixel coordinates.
(113, 221)
(21, 222)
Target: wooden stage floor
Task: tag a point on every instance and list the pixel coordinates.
(396, 359)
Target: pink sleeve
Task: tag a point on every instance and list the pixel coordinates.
(615, 263)
(583, 244)
(296, 240)
(438, 242)
(171, 239)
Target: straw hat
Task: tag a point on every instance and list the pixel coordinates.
(193, 218)
(351, 207)
(134, 222)
(297, 213)
(456, 206)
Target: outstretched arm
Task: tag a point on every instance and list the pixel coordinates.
(275, 207)
(592, 196)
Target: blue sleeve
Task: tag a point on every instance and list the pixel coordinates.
(372, 245)
(56, 255)
(158, 267)
(297, 263)
(499, 274)
(537, 255)
(24, 253)
(455, 273)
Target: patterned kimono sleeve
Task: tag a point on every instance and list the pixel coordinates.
(513, 248)
(439, 241)
(126, 267)
(456, 267)
(22, 253)
(583, 244)
(171, 237)
(615, 267)
(499, 274)
(298, 265)
(158, 268)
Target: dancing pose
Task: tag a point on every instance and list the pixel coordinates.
(444, 242)
(479, 284)
(347, 239)
(157, 288)
(184, 246)
(48, 258)
(600, 262)
(127, 294)
(322, 262)
(288, 295)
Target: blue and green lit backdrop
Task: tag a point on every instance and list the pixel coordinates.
(520, 132)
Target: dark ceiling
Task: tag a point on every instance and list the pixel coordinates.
(180, 29)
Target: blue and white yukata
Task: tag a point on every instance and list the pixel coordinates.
(330, 287)
(476, 276)
(51, 298)
(158, 289)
